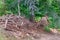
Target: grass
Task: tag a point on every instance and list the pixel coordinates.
(2, 37)
(47, 29)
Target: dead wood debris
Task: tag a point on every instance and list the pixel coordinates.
(19, 26)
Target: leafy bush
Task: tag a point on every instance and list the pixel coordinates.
(2, 7)
(37, 8)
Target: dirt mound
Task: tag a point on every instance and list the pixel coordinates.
(20, 26)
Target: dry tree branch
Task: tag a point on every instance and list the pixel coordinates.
(19, 7)
(6, 21)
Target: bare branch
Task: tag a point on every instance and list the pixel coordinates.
(19, 7)
(6, 23)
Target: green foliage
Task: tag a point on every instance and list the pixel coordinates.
(47, 29)
(37, 19)
(11, 6)
(38, 8)
(2, 9)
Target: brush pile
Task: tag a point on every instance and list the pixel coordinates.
(19, 26)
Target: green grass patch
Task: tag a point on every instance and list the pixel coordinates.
(47, 29)
(2, 37)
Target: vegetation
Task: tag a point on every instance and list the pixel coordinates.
(34, 9)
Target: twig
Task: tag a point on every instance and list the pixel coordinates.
(6, 23)
(19, 7)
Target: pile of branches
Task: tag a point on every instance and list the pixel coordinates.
(20, 26)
